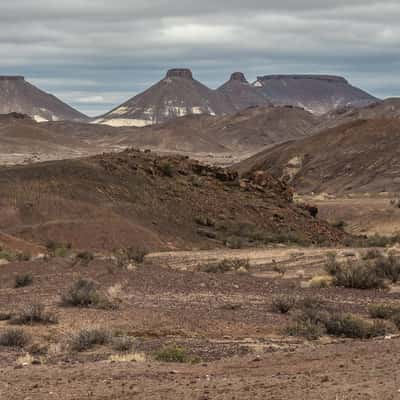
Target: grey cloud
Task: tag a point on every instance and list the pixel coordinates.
(123, 46)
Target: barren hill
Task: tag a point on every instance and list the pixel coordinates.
(18, 95)
(361, 156)
(140, 199)
(177, 95)
(316, 93)
(245, 132)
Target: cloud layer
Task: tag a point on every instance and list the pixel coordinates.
(95, 54)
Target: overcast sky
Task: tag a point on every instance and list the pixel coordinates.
(94, 54)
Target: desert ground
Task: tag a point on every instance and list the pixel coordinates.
(180, 329)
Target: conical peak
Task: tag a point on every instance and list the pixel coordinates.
(238, 76)
(180, 73)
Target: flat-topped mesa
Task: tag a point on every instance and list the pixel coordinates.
(12, 78)
(328, 78)
(180, 73)
(238, 76)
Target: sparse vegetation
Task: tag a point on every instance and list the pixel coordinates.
(383, 311)
(283, 304)
(86, 339)
(84, 257)
(224, 266)
(388, 267)
(56, 249)
(122, 344)
(355, 275)
(23, 280)
(34, 314)
(172, 354)
(167, 169)
(84, 293)
(11, 256)
(350, 326)
(14, 338)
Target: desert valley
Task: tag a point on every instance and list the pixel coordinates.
(196, 243)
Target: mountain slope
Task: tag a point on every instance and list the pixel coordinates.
(241, 94)
(316, 93)
(18, 95)
(177, 95)
(358, 157)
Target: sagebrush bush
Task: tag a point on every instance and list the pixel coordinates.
(122, 344)
(84, 293)
(383, 311)
(84, 257)
(350, 326)
(282, 304)
(305, 328)
(226, 265)
(34, 314)
(388, 267)
(357, 275)
(23, 280)
(14, 338)
(86, 339)
(173, 354)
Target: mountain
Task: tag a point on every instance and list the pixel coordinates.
(177, 95)
(140, 199)
(316, 93)
(18, 95)
(241, 93)
(358, 157)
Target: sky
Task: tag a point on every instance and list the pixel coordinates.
(95, 54)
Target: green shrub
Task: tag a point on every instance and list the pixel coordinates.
(136, 254)
(86, 339)
(23, 280)
(84, 293)
(167, 169)
(14, 338)
(34, 314)
(173, 354)
(57, 249)
(283, 304)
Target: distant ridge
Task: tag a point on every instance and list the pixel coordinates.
(19, 96)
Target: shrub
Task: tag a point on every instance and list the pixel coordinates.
(331, 265)
(372, 254)
(23, 280)
(306, 329)
(321, 282)
(84, 257)
(283, 304)
(388, 268)
(234, 265)
(383, 311)
(34, 314)
(339, 224)
(136, 254)
(173, 354)
(357, 275)
(86, 339)
(57, 249)
(167, 169)
(83, 293)
(122, 344)
(14, 338)
(350, 326)
(396, 319)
